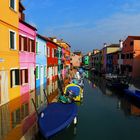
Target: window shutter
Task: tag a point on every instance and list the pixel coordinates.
(17, 77)
(19, 42)
(26, 75)
(11, 84)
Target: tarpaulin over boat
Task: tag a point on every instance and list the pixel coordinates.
(74, 88)
(55, 117)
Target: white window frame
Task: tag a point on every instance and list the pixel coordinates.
(15, 5)
(52, 52)
(15, 35)
(48, 51)
(13, 80)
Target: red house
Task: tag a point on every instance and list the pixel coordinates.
(52, 60)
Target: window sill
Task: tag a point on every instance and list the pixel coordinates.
(25, 84)
(15, 86)
(13, 10)
(13, 49)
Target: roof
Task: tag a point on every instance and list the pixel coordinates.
(21, 7)
(42, 37)
(113, 45)
(27, 24)
(134, 37)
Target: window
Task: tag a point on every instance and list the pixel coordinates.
(52, 52)
(131, 43)
(131, 55)
(14, 75)
(45, 50)
(22, 43)
(12, 40)
(48, 51)
(13, 4)
(37, 72)
(24, 76)
(127, 56)
(122, 56)
(31, 45)
(45, 71)
(37, 47)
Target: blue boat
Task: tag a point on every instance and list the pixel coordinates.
(133, 93)
(56, 117)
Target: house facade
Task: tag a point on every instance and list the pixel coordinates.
(9, 73)
(41, 69)
(131, 56)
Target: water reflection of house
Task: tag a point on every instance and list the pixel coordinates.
(129, 108)
(17, 118)
(41, 69)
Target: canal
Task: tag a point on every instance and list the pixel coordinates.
(104, 114)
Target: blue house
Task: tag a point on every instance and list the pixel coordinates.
(41, 69)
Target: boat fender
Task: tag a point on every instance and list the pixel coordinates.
(75, 121)
(42, 115)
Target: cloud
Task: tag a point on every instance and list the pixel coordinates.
(109, 30)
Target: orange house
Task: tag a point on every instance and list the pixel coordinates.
(131, 56)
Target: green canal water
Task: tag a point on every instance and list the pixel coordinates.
(103, 115)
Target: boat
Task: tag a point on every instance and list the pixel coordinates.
(135, 94)
(117, 82)
(56, 117)
(76, 90)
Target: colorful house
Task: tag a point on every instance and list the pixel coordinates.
(9, 54)
(131, 56)
(52, 60)
(27, 60)
(65, 57)
(106, 50)
(76, 59)
(41, 68)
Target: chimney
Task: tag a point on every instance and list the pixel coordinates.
(105, 44)
(121, 43)
(54, 40)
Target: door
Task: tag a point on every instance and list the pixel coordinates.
(4, 97)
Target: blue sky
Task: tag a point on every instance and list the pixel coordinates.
(85, 24)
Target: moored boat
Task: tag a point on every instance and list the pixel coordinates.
(56, 117)
(135, 94)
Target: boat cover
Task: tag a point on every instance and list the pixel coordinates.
(74, 88)
(55, 117)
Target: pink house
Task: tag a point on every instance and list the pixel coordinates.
(27, 39)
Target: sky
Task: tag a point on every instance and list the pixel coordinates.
(85, 24)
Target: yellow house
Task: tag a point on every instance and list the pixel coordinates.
(9, 58)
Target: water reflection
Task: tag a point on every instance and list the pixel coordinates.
(18, 119)
(130, 107)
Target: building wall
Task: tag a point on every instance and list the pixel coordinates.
(76, 60)
(8, 21)
(27, 59)
(52, 61)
